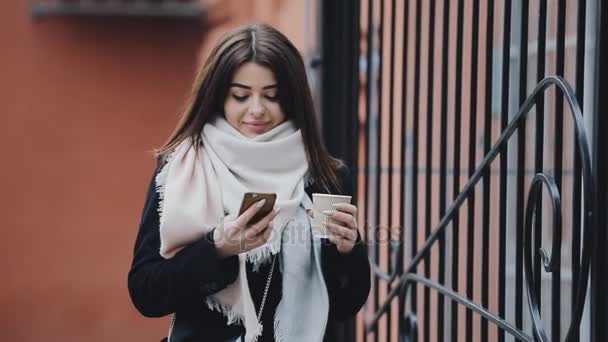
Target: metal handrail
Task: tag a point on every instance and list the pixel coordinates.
(389, 277)
(589, 223)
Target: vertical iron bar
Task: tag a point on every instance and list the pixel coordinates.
(559, 123)
(486, 177)
(338, 77)
(340, 25)
(599, 264)
(443, 161)
(390, 159)
(540, 114)
(368, 109)
(577, 186)
(402, 183)
(354, 26)
(502, 253)
(415, 152)
(472, 151)
(429, 164)
(521, 168)
(379, 153)
(415, 144)
(456, 188)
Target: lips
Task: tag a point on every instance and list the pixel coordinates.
(257, 127)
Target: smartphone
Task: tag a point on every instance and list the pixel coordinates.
(251, 198)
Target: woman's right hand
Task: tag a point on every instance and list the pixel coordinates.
(235, 237)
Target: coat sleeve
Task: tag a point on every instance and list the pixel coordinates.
(347, 278)
(347, 275)
(160, 286)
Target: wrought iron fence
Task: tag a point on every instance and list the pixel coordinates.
(457, 92)
(550, 263)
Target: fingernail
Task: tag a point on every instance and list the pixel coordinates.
(261, 203)
(336, 205)
(276, 211)
(328, 212)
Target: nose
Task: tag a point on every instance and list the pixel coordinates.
(257, 108)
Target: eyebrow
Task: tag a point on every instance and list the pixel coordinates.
(239, 85)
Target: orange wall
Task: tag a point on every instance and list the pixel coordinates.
(83, 101)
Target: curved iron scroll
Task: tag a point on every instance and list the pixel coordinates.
(408, 276)
(551, 264)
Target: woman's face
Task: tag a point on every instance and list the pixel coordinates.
(252, 105)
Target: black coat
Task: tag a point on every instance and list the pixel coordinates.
(160, 287)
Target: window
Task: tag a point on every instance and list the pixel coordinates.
(146, 8)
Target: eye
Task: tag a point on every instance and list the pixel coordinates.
(239, 98)
(273, 98)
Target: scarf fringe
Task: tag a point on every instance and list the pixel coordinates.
(234, 317)
(225, 309)
(161, 180)
(279, 334)
(254, 334)
(262, 254)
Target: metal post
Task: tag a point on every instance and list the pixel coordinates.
(599, 265)
(339, 99)
(340, 78)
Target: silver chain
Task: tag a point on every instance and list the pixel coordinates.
(171, 328)
(267, 288)
(274, 259)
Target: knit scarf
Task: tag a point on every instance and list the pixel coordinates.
(202, 188)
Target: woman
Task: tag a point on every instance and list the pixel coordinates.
(250, 126)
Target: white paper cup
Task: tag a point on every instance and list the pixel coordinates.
(322, 202)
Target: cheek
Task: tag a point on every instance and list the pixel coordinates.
(232, 111)
(230, 106)
(277, 112)
(234, 106)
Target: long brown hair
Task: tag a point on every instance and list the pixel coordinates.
(268, 47)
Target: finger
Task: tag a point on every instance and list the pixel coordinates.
(337, 240)
(264, 236)
(334, 239)
(252, 235)
(346, 207)
(254, 242)
(310, 213)
(348, 233)
(260, 239)
(260, 226)
(345, 218)
(258, 232)
(267, 233)
(244, 218)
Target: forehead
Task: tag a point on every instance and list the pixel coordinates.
(254, 75)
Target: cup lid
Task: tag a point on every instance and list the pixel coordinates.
(331, 196)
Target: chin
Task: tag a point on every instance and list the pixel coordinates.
(250, 134)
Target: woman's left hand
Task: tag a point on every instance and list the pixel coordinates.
(342, 228)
